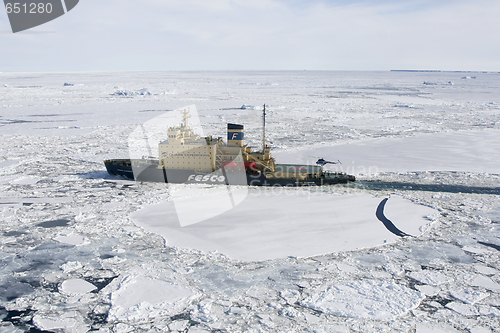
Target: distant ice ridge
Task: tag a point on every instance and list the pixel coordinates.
(404, 105)
(436, 83)
(141, 92)
(250, 107)
(259, 83)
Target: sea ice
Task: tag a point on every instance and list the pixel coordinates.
(71, 239)
(281, 222)
(139, 92)
(138, 297)
(485, 282)
(365, 300)
(76, 286)
(432, 278)
(463, 309)
(26, 181)
(472, 151)
(53, 183)
(71, 266)
(428, 290)
(480, 330)
(485, 269)
(475, 249)
(469, 296)
(429, 328)
(68, 322)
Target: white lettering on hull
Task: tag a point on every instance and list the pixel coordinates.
(206, 178)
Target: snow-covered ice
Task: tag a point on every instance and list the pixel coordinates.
(70, 322)
(279, 222)
(374, 300)
(70, 239)
(138, 297)
(81, 250)
(430, 278)
(76, 286)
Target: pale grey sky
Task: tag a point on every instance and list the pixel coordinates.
(260, 35)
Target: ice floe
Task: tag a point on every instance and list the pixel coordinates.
(280, 222)
(71, 239)
(433, 278)
(76, 286)
(374, 300)
(139, 297)
(70, 322)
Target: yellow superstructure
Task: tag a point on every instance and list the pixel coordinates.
(184, 150)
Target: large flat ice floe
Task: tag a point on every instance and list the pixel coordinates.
(281, 222)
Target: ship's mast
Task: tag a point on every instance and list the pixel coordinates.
(185, 117)
(264, 129)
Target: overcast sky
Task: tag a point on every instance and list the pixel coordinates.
(260, 35)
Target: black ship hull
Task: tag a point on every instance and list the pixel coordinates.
(148, 170)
